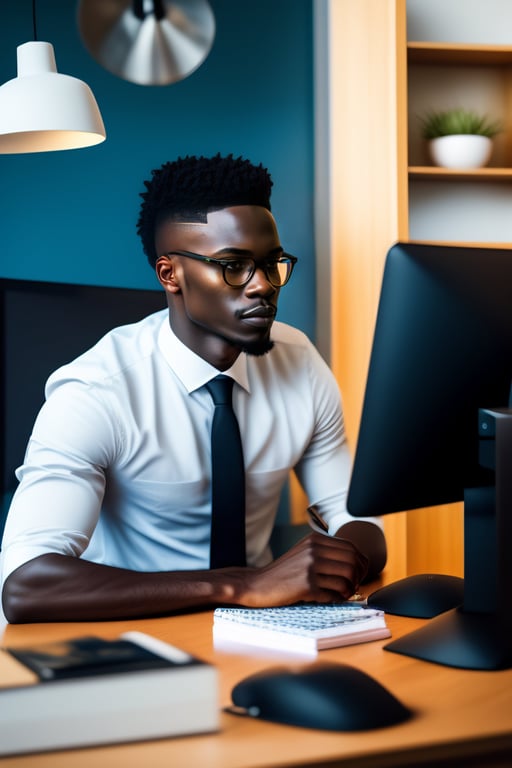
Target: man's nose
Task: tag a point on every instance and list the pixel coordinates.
(259, 283)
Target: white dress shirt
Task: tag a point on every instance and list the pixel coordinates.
(117, 469)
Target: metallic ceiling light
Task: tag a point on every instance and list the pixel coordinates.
(42, 110)
(148, 42)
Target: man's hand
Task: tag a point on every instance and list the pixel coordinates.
(319, 569)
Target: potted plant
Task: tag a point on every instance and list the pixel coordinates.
(459, 138)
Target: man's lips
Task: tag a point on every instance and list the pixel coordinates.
(260, 310)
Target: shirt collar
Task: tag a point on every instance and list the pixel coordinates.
(193, 371)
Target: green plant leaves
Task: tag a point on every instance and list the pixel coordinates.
(458, 121)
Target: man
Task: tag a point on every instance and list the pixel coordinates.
(112, 515)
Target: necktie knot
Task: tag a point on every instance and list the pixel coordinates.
(221, 390)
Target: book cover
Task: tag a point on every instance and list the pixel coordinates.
(86, 656)
(305, 628)
(89, 691)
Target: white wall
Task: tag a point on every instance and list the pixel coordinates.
(475, 21)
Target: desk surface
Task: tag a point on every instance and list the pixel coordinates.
(463, 717)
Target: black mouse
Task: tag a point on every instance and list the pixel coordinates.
(333, 697)
(421, 597)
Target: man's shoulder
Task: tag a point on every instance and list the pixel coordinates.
(294, 352)
(284, 334)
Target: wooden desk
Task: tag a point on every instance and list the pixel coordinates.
(463, 718)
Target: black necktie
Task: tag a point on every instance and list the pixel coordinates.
(227, 545)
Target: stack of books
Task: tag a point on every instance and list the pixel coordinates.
(88, 691)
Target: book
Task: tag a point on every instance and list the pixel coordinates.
(305, 628)
(88, 691)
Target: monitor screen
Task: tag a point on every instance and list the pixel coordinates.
(442, 350)
(438, 386)
(43, 326)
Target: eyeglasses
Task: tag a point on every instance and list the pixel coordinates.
(237, 272)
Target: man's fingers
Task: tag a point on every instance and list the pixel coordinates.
(332, 554)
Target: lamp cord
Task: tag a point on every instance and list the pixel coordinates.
(34, 23)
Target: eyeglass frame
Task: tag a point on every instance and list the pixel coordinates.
(292, 260)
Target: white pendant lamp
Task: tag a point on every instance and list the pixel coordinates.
(148, 42)
(42, 110)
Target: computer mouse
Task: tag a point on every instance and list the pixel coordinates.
(328, 696)
(422, 596)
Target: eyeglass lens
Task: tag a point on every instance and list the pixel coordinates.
(240, 271)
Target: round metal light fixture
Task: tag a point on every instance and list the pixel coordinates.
(148, 42)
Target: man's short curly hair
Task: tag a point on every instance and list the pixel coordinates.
(188, 188)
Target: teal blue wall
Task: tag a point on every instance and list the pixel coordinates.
(70, 216)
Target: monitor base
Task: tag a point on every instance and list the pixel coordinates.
(460, 639)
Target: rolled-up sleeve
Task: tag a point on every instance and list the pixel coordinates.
(62, 479)
(325, 468)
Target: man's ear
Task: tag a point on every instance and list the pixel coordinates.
(165, 268)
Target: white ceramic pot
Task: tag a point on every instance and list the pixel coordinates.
(461, 151)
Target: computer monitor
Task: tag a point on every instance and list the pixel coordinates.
(43, 326)
(436, 428)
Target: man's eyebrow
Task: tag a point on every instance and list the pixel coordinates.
(277, 251)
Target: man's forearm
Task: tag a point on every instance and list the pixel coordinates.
(57, 587)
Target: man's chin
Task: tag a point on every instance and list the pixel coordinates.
(257, 348)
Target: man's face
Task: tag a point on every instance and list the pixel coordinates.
(216, 320)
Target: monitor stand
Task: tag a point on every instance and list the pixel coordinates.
(461, 639)
(421, 596)
(478, 634)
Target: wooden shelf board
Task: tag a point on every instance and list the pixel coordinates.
(458, 53)
(463, 243)
(427, 172)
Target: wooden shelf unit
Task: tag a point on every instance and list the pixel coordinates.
(449, 204)
(453, 75)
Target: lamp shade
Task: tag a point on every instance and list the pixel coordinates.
(148, 42)
(42, 110)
